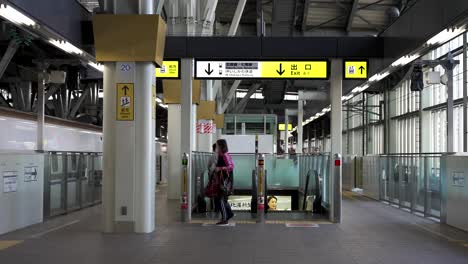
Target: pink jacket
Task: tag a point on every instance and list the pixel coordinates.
(228, 161)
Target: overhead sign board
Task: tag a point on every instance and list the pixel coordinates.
(170, 69)
(281, 127)
(125, 101)
(248, 69)
(355, 69)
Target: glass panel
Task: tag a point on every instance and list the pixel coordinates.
(405, 182)
(73, 181)
(56, 184)
(87, 186)
(420, 186)
(434, 202)
(244, 164)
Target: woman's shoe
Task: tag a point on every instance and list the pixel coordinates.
(222, 223)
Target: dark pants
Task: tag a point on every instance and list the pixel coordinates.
(222, 204)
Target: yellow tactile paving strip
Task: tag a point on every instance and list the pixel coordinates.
(4, 244)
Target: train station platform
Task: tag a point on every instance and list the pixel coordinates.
(372, 232)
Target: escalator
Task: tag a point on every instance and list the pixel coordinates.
(295, 189)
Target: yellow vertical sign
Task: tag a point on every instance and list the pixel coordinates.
(153, 102)
(125, 101)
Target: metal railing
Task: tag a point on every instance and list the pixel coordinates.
(409, 181)
(72, 180)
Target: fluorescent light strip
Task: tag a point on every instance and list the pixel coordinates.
(96, 66)
(445, 35)
(404, 60)
(66, 46)
(14, 16)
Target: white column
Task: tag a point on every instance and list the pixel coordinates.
(174, 155)
(128, 191)
(286, 132)
(109, 134)
(336, 139)
(144, 148)
(187, 123)
(300, 117)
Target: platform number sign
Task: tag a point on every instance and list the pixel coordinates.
(125, 101)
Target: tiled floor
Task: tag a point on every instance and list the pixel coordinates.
(371, 232)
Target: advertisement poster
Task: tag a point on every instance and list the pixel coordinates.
(275, 203)
(10, 181)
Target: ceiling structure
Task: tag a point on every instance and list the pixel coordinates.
(298, 18)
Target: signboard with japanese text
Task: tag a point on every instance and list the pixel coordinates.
(125, 101)
(248, 69)
(169, 70)
(10, 181)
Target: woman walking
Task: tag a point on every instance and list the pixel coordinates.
(224, 169)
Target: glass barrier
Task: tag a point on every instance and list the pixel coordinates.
(411, 182)
(73, 180)
(287, 175)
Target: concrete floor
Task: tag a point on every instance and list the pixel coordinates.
(371, 232)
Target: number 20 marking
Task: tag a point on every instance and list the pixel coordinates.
(125, 67)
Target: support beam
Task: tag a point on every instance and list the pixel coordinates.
(79, 102)
(40, 110)
(286, 132)
(300, 119)
(450, 124)
(243, 102)
(9, 53)
(230, 95)
(465, 99)
(159, 6)
(25, 91)
(352, 14)
(260, 20)
(236, 19)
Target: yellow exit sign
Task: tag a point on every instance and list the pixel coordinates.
(355, 69)
(294, 69)
(169, 70)
(281, 127)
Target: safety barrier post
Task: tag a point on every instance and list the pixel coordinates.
(184, 199)
(336, 190)
(261, 188)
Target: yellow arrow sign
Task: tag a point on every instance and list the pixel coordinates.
(125, 101)
(294, 69)
(169, 70)
(355, 69)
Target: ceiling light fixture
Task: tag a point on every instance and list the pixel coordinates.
(66, 46)
(96, 66)
(16, 17)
